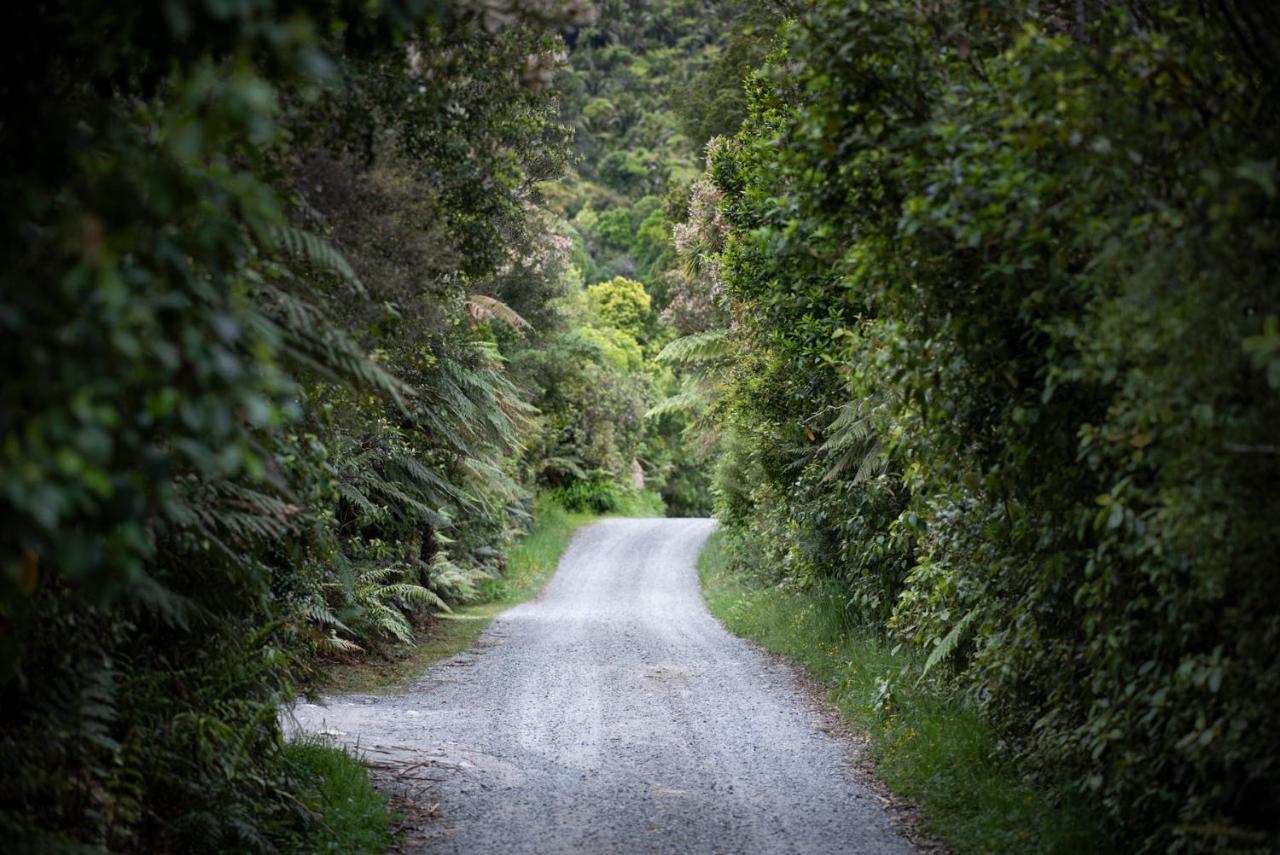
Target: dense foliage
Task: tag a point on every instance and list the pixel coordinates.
(631, 95)
(253, 410)
(1000, 289)
(976, 304)
(302, 302)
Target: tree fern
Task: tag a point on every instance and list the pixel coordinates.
(852, 445)
(353, 494)
(572, 466)
(409, 469)
(685, 401)
(317, 251)
(312, 340)
(406, 505)
(488, 473)
(698, 347)
(480, 307)
(232, 517)
(451, 580)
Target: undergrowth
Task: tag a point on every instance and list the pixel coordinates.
(929, 744)
(530, 562)
(349, 815)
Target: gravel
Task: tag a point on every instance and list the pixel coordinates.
(613, 714)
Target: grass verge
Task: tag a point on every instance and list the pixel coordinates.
(929, 747)
(349, 815)
(530, 562)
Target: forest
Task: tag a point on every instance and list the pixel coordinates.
(962, 319)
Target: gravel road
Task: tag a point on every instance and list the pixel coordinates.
(613, 714)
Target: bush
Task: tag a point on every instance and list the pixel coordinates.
(1002, 278)
(599, 494)
(233, 445)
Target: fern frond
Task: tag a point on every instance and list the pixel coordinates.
(372, 578)
(413, 471)
(699, 347)
(874, 462)
(451, 580)
(256, 502)
(487, 474)
(318, 251)
(388, 621)
(407, 506)
(682, 402)
(357, 498)
(323, 616)
(332, 645)
(408, 593)
(566, 465)
(948, 643)
(481, 307)
(853, 446)
(310, 338)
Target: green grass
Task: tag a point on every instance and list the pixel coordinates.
(929, 746)
(349, 815)
(530, 562)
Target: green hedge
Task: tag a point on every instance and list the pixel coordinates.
(1006, 277)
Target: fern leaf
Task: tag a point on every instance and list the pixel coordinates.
(948, 643)
(332, 645)
(311, 339)
(699, 347)
(316, 250)
(481, 307)
(681, 402)
(358, 499)
(413, 471)
(853, 446)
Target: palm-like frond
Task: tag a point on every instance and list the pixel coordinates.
(481, 307)
(317, 251)
(852, 445)
(469, 403)
(572, 466)
(684, 401)
(409, 593)
(491, 478)
(311, 339)
(451, 580)
(322, 615)
(383, 597)
(948, 643)
(332, 645)
(699, 347)
(232, 516)
(406, 468)
(361, 502)
(387, 621)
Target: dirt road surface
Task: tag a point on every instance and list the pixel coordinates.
(613, 714)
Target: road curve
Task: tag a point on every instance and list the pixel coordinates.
(613, 714)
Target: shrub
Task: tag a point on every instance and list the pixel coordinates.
(598, 494)
(1014, 262)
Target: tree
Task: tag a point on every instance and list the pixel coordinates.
(620, 303)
